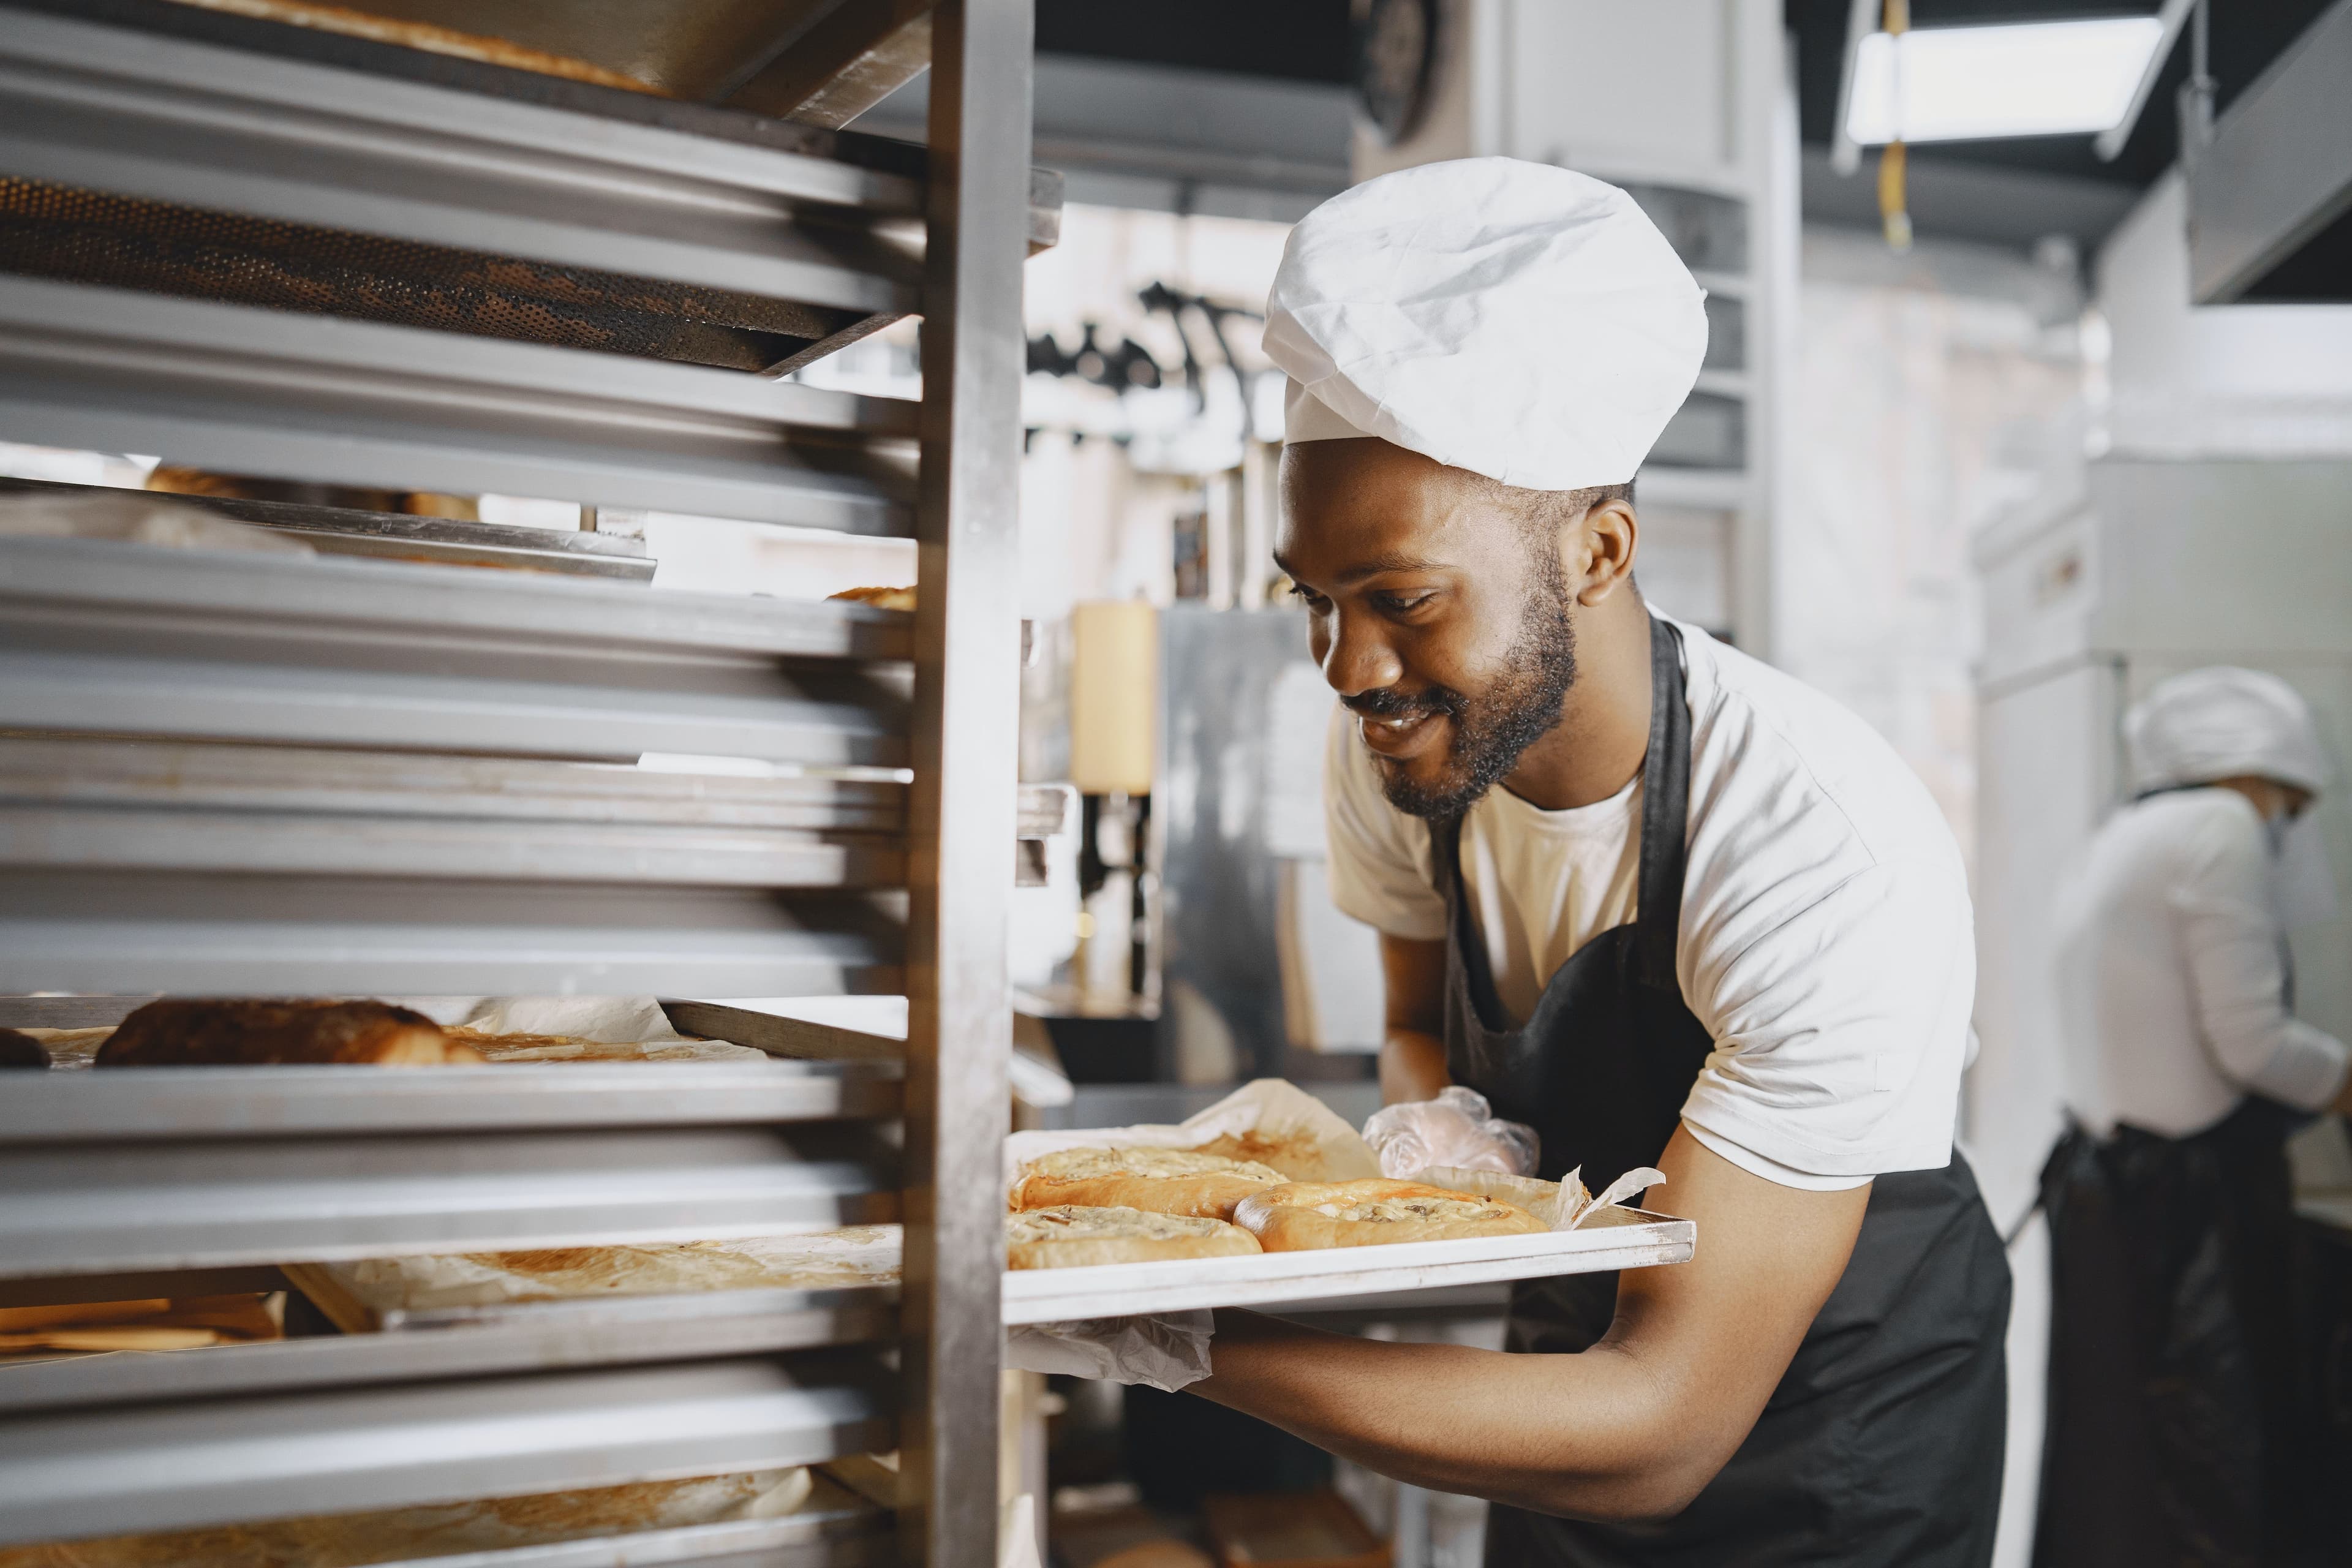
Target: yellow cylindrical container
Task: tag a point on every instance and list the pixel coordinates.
(1114, 696)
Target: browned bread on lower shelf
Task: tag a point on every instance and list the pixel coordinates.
(1163, 1180)
(1306, 1215)
(1070, 1236)
(22, 1051)
(880, 598)
(176, 1032)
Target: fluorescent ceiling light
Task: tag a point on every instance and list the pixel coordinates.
(2028, 78)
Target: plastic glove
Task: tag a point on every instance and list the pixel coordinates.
(1457, 1129)
(1166, 1351)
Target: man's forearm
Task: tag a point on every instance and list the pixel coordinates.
(1585, 1436)
(1413, 1065)
(1632, 1429)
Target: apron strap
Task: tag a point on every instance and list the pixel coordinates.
(1665, 813)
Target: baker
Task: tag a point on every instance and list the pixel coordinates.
(2177, 1429)
(1651, 898)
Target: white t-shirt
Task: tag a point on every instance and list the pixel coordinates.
(2170, 980)
(1826, 941)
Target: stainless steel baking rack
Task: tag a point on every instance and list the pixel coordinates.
(263, 249)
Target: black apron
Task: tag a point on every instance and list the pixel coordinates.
(1883, 1443)
(2177, 1434)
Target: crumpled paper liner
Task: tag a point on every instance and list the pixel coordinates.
(352, 1539)
(585, 1028)
(860, 1255)
(1269, 1121)
(1563, 1205)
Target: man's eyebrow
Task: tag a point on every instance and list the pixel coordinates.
(1390, 561)
(1370, 566)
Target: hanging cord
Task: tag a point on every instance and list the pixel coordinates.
(1892, 205)
(2196, 106)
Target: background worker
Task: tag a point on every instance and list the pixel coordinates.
(2174, 1418)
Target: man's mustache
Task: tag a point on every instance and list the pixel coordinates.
(1385, 704)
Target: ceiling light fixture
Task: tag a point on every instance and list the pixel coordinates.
(2031, 78)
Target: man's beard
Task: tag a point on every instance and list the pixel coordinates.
(1491, 730)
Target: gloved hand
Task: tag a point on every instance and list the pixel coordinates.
(1166, 1351)
(1457, 1129)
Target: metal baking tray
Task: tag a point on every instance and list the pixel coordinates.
(1615, 1238)
(837, 1538)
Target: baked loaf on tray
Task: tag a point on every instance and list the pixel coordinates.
(1302, 1216)
(1069, 1237)
(240, 1033)
(1163, 1180)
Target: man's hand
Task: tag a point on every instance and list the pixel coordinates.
(1632, 1429)
(1412, 1053)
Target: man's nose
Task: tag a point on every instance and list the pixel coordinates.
(1358, 659)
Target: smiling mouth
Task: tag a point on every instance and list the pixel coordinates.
(1400, 737)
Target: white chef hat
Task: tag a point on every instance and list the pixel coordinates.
(2221, 722)
(1520, 321)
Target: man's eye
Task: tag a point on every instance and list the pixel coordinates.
(1306, 596)
(1402, 604)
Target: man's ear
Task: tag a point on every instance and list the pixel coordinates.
(1597, 550)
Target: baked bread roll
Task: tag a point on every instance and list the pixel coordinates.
(23, 1051)
(241, 1033)
(1303, 1217)
(880, 598)
(1069, 1236)
(1162, 1181)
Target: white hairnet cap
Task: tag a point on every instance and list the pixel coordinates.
(2222, 722)
(1523, 322)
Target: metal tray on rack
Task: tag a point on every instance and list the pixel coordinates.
(836, 1538)
(1615, 1238)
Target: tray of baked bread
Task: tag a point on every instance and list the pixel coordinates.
(1268, 1198)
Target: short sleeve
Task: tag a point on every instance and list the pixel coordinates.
(1841, 1030)
(1380, 865)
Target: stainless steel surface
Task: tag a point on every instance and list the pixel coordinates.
(113, 1207)
(687, 49)
(857, 55)
(1229, 767)
(301, 659)
(343, 531)
(185, 808)
(845, 1538)
(117, 110)
(788, 1036)
(962, 821)
(135, 775)
(542, 1336)
(246, 390)
(271, 1102)
(136, 1468)
(2279, 168)
(221, 934)
(1636, 1240)
(106, 638)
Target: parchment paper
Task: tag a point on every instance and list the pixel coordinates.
(1563, 1205)
(861, 1254)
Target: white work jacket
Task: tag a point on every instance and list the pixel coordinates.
(2172, 969)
